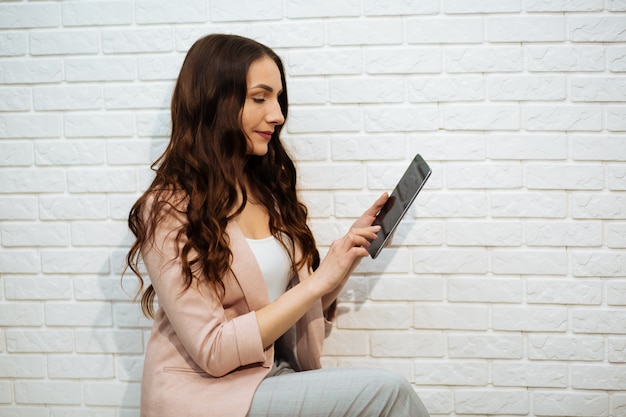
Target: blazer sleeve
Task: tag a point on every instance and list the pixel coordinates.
(217, 345)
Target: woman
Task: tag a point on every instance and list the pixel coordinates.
(242, 294)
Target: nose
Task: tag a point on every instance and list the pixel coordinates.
(275, 114)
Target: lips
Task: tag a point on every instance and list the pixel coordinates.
(265, 135)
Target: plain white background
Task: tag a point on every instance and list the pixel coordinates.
(505, 291)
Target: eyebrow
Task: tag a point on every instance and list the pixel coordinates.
(266, 88)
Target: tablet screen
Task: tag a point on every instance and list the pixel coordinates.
(399, 202)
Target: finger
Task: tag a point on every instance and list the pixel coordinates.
(378, 204)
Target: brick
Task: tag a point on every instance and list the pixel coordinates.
(532, 319)
(72, 97)
(100, 69)
(56, 153)
(562, 118)
(397, 7)
(449, 261)
(42, 234)
(617, 177)
(100, 234)
(64, 42)
(324, 8)
(522, 374)
(105, 288)
(571, 404)
(151, 96)
(347, 342)
(599, 148)
(481, 117)
(483, 234)
(73, 208)
(378, 90)
(356, 32)
(558, 234)
(366, 148)
(337, 61)
(603, 377)
(96, 13)
(13, 44)
(588, 206)
(6, 397)
(564, 177)
(30, 15)
(157, 67)
(401, 119)
(615, 235)
(460, 204)
(398, 60)
(377, 316)
(19, 71)
(616, 57)
(464, 147)
(616, 292)
(616, 6)
(488, 290)
(323, 119)
(126, 152)
(418, 233)
(20, 314)
(79, 315)
(112, 394)
(565, 58)
(525, 88)
(480, 59)
(24, 180)
(128, 315)
(98, 180)
(491, 402)
(13, 154)
(410, 288)
(481, 6)
(48, 392)
(422, 30)
(592, 89)
(553, 291)
(108, 341)
(442, 89)
(529, 262)
(81, 366)
(84, 261)
(407, 344)
(596, 29)
(465, 373)
(162, 11)
(528, 205)
(129, 368)
(308, 91)
(98, 125)
(564, 6)
(26, 287)
(599, 321)
(565, 348)
(450, 317)
(307, 148)
(15, 99)
(524, 29)
(617, 350)
(288, 35)
(524, 146)
(335, 176)
(134, 41)
(30, 126)
(22, 366)
(39, 341)
(19, 262)
(481, 176)
(18, 208)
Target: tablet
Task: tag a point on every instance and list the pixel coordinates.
(399, 202)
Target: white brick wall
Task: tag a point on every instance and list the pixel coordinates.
(505, 291)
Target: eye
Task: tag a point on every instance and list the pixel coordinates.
(258, 100)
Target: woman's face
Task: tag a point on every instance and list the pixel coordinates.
(261, 111)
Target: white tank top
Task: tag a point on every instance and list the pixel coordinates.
(274, 263)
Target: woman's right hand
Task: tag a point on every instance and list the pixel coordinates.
(341, 256)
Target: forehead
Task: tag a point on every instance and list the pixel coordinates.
(264, 71)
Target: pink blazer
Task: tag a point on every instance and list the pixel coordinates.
(205, 356)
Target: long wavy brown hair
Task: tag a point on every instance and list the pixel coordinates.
(206, 163)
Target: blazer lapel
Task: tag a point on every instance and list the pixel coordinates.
(246, 269)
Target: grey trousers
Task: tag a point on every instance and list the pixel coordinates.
(337, 392)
